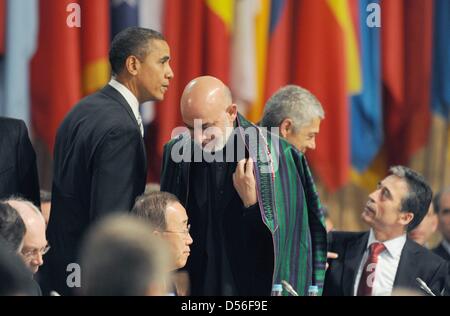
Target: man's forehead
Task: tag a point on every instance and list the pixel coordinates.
(395, 183)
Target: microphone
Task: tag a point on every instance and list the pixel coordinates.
(289, 288)
(425, 287)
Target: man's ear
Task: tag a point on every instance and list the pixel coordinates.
(132, 65)
(406, 218)
(286, 127)
(157, 233)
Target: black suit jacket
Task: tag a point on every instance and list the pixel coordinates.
(440, 251)
(99, 168)
(415, 261)
(18, 171)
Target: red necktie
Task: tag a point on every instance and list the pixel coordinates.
(368, 273)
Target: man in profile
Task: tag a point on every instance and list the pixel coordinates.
(170, 222)
(99, 157)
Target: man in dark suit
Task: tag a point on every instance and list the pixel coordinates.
(442, 208)
(18, 171)
(374, 263)
(99, 157)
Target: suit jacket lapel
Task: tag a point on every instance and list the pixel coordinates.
(353, 255)
(407, 269)
(113, 93)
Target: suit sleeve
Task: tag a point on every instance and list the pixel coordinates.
(29, 180)
(117, 173)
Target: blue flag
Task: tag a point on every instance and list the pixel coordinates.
(366, 108)
(21, 41)
(124, 13)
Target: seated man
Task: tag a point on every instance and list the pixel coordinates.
(121, 257)
(35, 244)
(169, 221)
(442, 207)
(374, 263)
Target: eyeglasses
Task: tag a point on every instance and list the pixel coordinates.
(186, 231)
(33, 253)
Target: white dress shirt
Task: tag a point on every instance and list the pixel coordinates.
(131, 100)
(386, 266)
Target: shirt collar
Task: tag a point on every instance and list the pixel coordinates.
(394, 246)
(128, 95)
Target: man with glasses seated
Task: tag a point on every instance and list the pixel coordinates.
(35, 244)
(170, 221)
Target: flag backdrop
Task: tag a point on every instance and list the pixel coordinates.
(379, 86)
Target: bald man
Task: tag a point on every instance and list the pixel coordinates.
(252, 204)
(35, 244)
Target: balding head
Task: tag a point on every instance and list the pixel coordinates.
(207, 106)
(34, 241)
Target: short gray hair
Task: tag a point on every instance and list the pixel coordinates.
(292, 102)
(152, 207)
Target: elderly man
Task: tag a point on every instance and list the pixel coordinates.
(99, 157)
(35, 244)
(170, 222)
(255, 216)
(297, 113)
(374, 263)
(442, 206)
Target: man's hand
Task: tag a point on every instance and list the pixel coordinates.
(331, 255)
(244, 182)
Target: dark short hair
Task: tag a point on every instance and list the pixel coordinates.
(152, 207)
(133, 41)
(419, 194)
(12, 227)
(121, 257)
(46, 196)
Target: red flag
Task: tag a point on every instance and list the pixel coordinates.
(95, 33)
(280, 52)
(320, 66)
(406, 41)
(55, 70)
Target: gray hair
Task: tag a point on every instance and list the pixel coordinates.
(152, 207)
(292, 102)
(418, 199)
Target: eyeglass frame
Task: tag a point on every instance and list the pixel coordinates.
(186, 232)
(33, 253)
